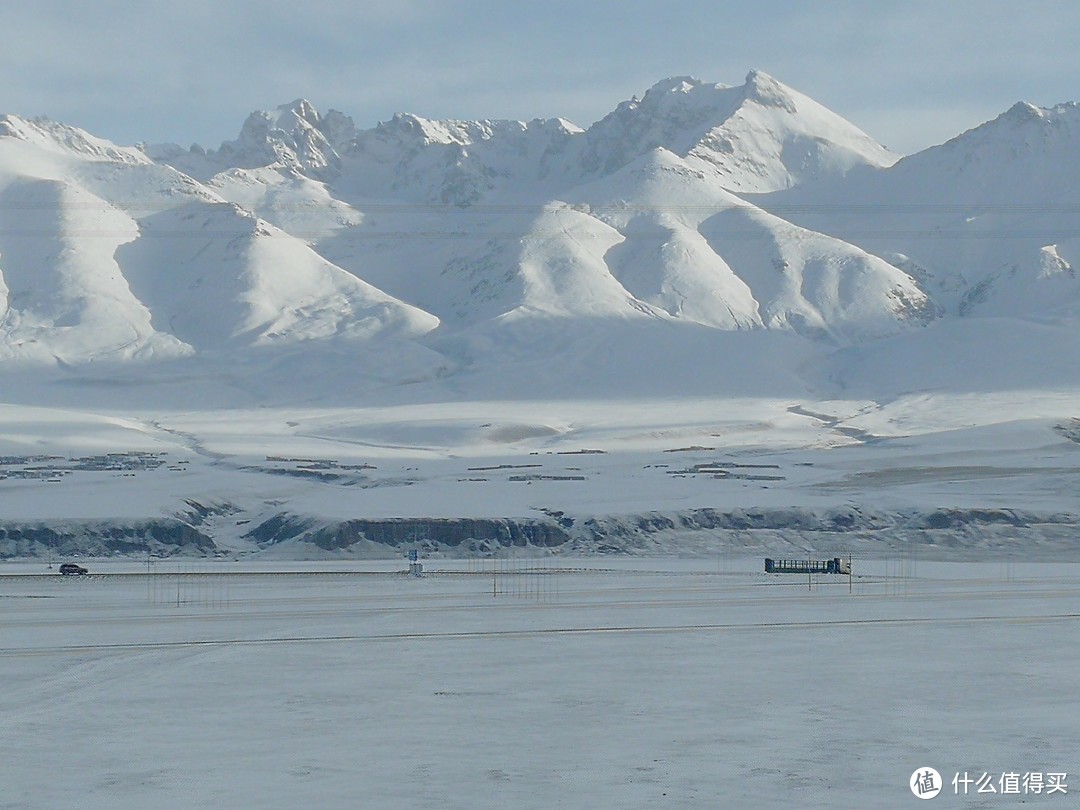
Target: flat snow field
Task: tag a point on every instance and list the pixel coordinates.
(554, 683)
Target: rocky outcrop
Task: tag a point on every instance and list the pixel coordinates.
(466, 535)
(164, 537)
(946, 532)
(950, 532)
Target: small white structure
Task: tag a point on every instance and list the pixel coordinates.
(416, 568)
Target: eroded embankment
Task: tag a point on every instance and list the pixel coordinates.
(944, 532)
(162, 537)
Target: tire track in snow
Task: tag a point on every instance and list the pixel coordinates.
(557, 631)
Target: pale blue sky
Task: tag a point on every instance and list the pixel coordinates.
(911, 74)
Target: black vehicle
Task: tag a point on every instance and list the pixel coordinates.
(71, 569)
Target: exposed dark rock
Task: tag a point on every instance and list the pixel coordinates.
(432, 533)
(775, 530)
(201, 512)
(164, 537)
(279, 528)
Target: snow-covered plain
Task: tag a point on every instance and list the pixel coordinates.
(533, 459)
(577, 683)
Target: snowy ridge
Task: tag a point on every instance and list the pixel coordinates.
(294, 137)
(247, 280)
(726, 263)
(63, 140)
(152, 263)
(62, 296)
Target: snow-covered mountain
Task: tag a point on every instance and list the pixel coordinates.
(761, 136)
(444, 248)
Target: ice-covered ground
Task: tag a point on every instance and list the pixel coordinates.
(631, 683)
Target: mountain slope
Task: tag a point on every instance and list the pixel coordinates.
(215, 275)
(988, 221)
(62, 295)
(105, 255)
(713, 258)
(477, 221)
(761, 136)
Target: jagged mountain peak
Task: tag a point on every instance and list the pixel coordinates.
(1027, 152)
(292, 135)
(302, 109)
(294, 138)
(1022, 111)
(715, 102)
(671, 96)
(457, 162)
(1018, 125)
(677, 85)
(419, 131)
(299, 116)
(767, 91)
(758, 137)
(425, 131)
(759, 86)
